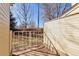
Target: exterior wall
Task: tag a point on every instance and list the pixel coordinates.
(4, 29)
(64, 34)
(49, 28)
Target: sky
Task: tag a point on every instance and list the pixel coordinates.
(34, 11)
(16, 9)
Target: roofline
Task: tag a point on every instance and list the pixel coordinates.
(70, 10)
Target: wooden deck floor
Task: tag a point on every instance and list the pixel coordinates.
(40, 50)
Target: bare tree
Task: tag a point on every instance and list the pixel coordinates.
(47, 12)
(12, 22)
(53, 10)
(24, 14)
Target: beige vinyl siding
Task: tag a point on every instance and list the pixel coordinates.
(4, 29)
(64, 34)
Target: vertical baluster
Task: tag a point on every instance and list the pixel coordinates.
(30, 38)
(49, 45)
(42, 37)
(16, 43)
(36, 37)
(22, 39)
(18, 40)
(18, 37)
(39, 37)
(33, 38)
(25, 39)
(46, 41)
(13, 40)
(12, 43)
